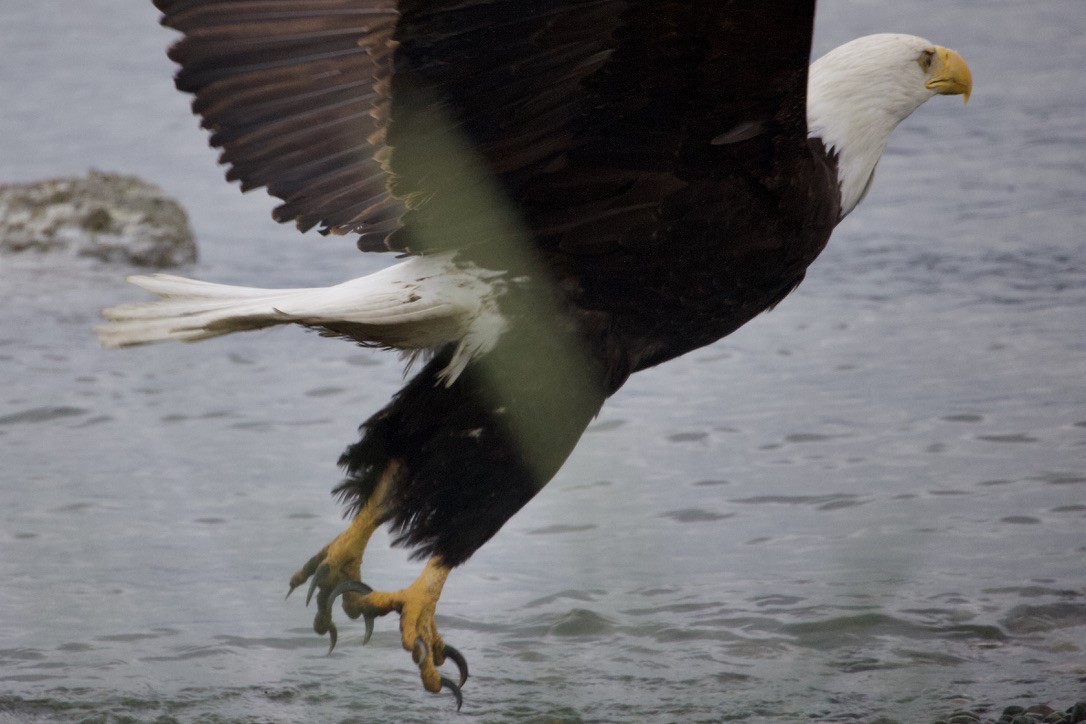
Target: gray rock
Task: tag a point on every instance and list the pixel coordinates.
(107, 216)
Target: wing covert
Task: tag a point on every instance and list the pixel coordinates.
(596, 116)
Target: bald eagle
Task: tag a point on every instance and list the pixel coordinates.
(582, 188)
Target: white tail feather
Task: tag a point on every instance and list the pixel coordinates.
(420, 304)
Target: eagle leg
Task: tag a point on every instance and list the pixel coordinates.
(340, 561)
(416, 604)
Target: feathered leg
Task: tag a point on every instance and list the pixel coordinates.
(336, 569)
(445, 465)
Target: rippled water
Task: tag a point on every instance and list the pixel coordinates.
(870, 502)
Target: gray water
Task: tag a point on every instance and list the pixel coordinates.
(870, 502)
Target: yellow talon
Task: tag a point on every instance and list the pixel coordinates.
(336, 571)
(340, 561)
(417, 605)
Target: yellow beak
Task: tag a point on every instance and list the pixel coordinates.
(950, 75)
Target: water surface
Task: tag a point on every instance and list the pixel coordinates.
(870, 502)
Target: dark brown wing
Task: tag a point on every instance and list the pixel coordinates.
(593, 112)
(654, 154)
(287, 89)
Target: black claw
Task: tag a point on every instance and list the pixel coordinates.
(448, 684)
(356, 587)
(369, 627)
(419, 651)
(353, 586)
(459, 660)
(318, 574)
(333, 635)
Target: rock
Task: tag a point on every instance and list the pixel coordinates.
(106, 216)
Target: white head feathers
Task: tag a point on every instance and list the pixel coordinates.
(859, 92)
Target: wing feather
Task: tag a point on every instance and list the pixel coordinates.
(286, 88)
(593, 115)
(597, 122)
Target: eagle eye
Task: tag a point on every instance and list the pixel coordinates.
(926, 59)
